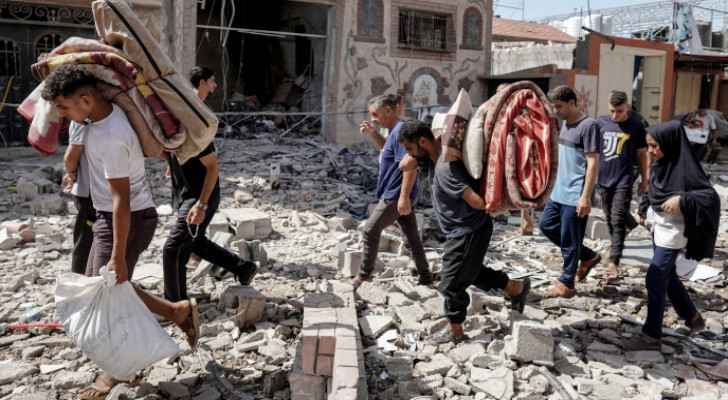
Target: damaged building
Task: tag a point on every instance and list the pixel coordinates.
(323, 59)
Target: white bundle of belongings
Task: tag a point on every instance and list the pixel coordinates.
(110, 324)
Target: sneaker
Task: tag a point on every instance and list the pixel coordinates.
(446, 336)
(586, 266)
(248, 271)
(641, 342)
(558, 289)
(696, 325)
(518, 303)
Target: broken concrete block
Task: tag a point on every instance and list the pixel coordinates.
(252, 250)
(375, 325)
(597, 229)
(532, 342)
(26, 189)
(249, 302)
(410, 317)
(400, 368)
(48, 204)
(219, 223)
(352, 263)
(439, 364)
(497, 384)
(372, 293)
(249, 223)
(7, 241)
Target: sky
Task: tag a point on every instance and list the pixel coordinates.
(537, 9)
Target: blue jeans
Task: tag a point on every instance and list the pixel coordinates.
(662, 281)
(563, 228)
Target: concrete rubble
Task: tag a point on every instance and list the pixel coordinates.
(300, 332)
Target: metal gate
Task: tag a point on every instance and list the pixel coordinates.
(26, 32)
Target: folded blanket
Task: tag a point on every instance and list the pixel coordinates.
(520, 148)
(117, 25)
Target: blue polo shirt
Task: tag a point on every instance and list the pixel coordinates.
(389, 182)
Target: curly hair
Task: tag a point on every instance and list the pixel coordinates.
(66, 80)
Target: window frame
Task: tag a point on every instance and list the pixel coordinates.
(16, 55)
(469, 46)
(448, 12)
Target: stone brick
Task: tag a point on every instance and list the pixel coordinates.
(351, 263)
(309, 353)
(249, 223)
(307, 387)
(324, 365)
(326, 345)
(532, 342)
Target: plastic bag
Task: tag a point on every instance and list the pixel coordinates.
(110, 324)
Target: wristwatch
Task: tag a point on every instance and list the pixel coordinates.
(201, 206)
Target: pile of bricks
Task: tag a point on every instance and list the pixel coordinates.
(329, 362)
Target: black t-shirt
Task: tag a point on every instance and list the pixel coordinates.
(620, 143)
(449, 181)
(189, 178)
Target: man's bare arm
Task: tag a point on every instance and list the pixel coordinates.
(121, 203)
(473, 199)
(212, 168)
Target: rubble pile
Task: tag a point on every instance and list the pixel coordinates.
(294, 206)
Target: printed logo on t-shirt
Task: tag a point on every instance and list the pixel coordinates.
(613, 144)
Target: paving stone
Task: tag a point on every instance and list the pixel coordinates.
(532, 343)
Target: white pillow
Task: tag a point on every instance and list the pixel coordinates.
(473, 145)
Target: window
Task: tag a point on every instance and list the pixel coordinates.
(472, 29)
(46, 43)
(370, 21)
(9, 58)
(422, 30)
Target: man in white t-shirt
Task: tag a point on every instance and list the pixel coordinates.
(76, 182)
(126, 216)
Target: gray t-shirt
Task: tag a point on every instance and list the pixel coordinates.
(454, 214)
(77, 136)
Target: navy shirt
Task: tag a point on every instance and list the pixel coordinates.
(449, 180)
(389, 183)
(620, 143)
(575, 142)
(188, 179)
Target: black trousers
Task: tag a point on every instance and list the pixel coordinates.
(83, 234)
(462, 266)
(616, 204)
(181, 244)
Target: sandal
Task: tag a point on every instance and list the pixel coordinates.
(612, 274)
(518, 303)
(98, 390)
(191, 325)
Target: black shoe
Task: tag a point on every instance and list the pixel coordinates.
(518, 303)
(446, 336)
(247, 269)
(425, 279)
(696, 325)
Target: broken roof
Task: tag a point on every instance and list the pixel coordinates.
(512, 30)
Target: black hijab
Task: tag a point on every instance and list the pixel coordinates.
(678, 171)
